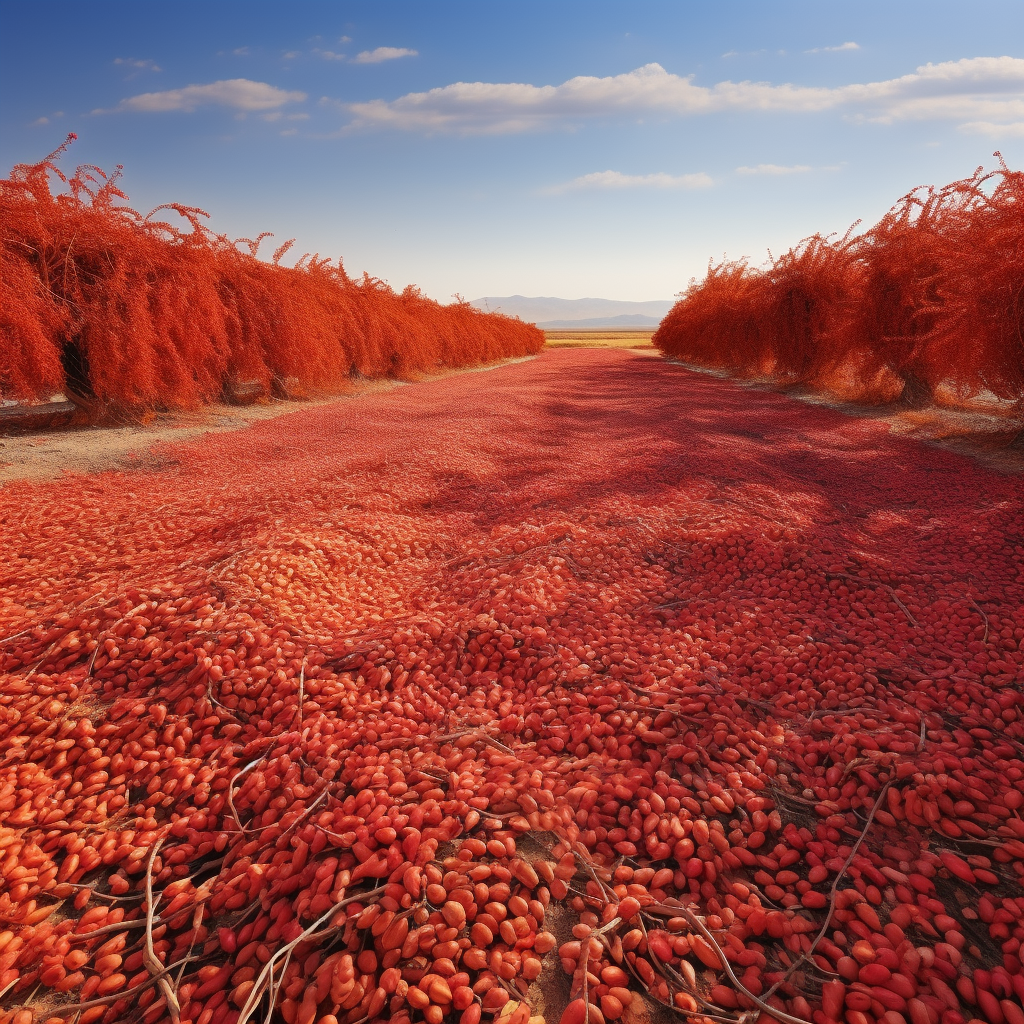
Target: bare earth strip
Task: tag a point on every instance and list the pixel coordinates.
(47, 454)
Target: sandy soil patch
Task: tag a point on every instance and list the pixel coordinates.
(46, 455)
(635, 339)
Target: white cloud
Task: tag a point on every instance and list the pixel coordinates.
(242, 51)
(981, 88)
(975, 89)
(384, 53)
(776, 169)
(41, 120)
(618, 180)
(292, 54)
(138, 65)
(834, 49)
(510, 107)
(329, 55)
(237, 93)
(1014, 130)
(345, 39)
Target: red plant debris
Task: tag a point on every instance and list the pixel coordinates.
(388, 709)
(926, 306)
(126, 314)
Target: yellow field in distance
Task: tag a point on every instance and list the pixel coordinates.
(635, 338)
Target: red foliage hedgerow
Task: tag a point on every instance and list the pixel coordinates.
(928, 303)
(126, 313)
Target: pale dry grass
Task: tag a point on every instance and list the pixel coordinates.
(635, 338)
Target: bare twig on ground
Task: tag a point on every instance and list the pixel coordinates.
(876, 583)
(149, 957)
(981, 612)
(833, 891)
(231, 791)
(108, 1000)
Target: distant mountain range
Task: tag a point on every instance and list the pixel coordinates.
(566, 314)
(623, 323)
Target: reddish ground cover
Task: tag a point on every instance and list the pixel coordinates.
(382, 710)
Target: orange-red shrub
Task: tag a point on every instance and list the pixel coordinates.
(128, 313)
(927, 303)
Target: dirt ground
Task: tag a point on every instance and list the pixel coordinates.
(992, 441)
(46, 455)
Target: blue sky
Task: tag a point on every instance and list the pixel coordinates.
(490, 148)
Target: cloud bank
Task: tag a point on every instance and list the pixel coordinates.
(834, 49)
(139, 65)
(1014, 130)
(982, 89)
(235, 93)
(775, 169)
(618, 180)
(384, 53)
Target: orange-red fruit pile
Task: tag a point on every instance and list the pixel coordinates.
(581, 683)
(128, 313)
(925, 306)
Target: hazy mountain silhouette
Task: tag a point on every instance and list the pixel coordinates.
(544, 310)
(623, 322)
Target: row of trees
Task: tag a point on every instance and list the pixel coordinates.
(126, 313)
(926, 305)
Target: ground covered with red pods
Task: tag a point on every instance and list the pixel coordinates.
(588, 687)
